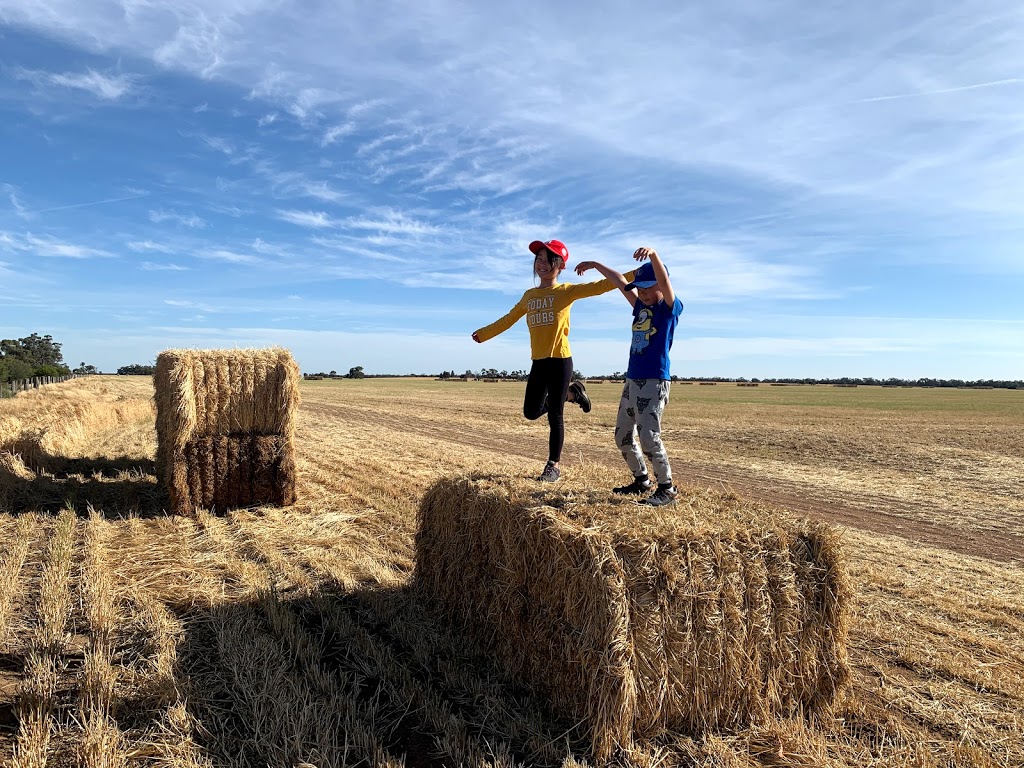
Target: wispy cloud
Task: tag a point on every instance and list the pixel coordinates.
(19, 209)
(218, 144)
(336, 132)
(150, 266)
(311, 219)
(52, 247)
(143, 246)
(231, 257)
(186, 220)
(392, 221)
(104, 87)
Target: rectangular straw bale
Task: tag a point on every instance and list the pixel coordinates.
(206, 392)
(226, 426)
(226, 472)
(715, 614)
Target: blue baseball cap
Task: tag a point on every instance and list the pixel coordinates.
(644, 277)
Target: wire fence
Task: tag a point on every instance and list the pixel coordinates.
(11, 388)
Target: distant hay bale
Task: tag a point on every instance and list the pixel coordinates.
(716, 614)
(226, 427)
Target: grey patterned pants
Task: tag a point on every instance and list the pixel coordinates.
(640, 409)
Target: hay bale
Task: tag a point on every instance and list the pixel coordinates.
(226, 427)
(636, 621)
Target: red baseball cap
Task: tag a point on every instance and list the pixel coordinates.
(556, 247)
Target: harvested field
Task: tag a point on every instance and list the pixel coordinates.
(286, 636)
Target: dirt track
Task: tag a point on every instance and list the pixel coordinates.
(879, 513)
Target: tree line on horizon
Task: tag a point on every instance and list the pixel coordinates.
(34, 355)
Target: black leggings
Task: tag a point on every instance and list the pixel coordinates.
(546, 390)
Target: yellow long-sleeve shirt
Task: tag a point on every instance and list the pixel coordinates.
(547, 315)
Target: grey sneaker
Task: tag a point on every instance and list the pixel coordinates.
(666, 494)
(579, 394)
(639, 485)
(550, 474)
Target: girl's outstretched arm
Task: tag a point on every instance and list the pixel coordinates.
(613, 276)
(502, 324)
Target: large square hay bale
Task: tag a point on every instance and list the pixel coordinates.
(226, 427)
(713, 614)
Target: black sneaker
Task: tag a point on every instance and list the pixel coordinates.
(639, 485)
(579, 394)
(666, 494)
(550, 474)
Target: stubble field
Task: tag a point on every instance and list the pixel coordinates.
(289, 637)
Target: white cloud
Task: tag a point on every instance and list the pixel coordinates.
(394, 222)
(143, 246)
(150, 266)
(336, 132)
(47, 246)
(105, 87)
(218, 144)
(311, 219)
(19, 208)
(186, 220)
(231, 257)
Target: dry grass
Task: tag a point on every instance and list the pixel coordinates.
(282, 636)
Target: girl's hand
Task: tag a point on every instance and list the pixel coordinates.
(476, 338)
(642, 253)
(583, 266)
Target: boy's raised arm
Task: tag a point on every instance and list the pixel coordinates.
(660, 273)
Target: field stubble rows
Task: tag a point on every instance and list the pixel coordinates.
(285, 637)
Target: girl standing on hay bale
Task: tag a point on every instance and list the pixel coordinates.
(656, 312)
(546, 308)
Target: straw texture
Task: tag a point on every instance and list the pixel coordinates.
(226, 427)
(716, 614)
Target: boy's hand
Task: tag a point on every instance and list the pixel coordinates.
(643, 253)
(583, 266)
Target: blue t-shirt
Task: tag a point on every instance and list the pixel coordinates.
(653, 329)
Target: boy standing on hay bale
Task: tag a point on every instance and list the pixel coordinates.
(656, 313)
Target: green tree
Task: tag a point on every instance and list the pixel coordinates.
(13, 369)
(136, 370)
(355, 372)
(41, 353)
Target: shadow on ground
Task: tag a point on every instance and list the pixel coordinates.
(340, 672)
(114, 486)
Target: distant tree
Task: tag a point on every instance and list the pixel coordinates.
(85, 370)
(334, 373)
(14, 369)
(356, 372)
(136, 370)
(577, 376)
(41, 353)
(34, 349)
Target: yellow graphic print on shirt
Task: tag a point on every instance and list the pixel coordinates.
(642, 331)
(541, 311)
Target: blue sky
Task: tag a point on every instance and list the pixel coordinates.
(837, 188)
